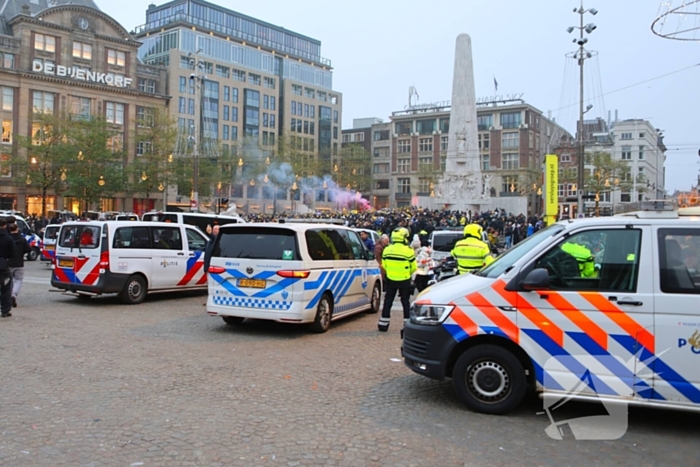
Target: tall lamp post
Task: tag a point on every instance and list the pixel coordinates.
(199, 77)
(581, 56)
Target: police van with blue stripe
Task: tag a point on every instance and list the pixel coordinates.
(291, 272)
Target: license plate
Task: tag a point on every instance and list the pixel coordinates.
(252, 283)
(49, 247)
(65, 263)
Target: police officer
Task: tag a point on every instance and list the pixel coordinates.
(399, 262)
(584, 259)
(471, 253)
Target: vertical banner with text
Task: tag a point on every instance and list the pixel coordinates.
(551, 182)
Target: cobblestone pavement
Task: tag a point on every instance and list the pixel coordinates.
(98, 383)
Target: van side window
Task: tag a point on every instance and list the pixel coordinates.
(166, 238)
(195, 241)
(132, 238)
(339, 244)
(320, 247)
(355, 244)
(197, 221)
(679, 260)
(604, 260)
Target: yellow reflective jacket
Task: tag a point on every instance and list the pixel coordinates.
(399, 262)
(471, 254)
(584, 259)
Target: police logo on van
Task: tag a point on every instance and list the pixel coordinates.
(165, 263)
(694, 342)
(249, 270)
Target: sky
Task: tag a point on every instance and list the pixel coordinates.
(379, 49)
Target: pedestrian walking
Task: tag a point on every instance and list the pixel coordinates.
(7, 252)
(399, 262)
(16, 263)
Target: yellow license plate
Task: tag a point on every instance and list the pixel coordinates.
(252, 283)
(49, 247)
(65, 263)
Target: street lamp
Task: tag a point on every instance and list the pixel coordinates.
(101, 181)
(581, 56)
(199, 76)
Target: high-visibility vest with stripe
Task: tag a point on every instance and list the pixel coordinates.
(584, 258)
(399, 262)
(471, 254)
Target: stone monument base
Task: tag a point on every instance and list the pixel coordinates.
(511, 204)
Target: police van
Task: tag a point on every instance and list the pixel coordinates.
(618, 324)
(198, 219)
(291, 273)
(48, 247)
(129, 258)
(32, 238)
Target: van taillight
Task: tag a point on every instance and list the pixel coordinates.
(216, 270)
(294, 274)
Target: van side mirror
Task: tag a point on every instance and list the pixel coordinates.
(537, 279)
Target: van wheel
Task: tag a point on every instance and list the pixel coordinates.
(134, 291)
(489, 379)
(33, 254)
(233, 320)
(375, 299)
(324, 311)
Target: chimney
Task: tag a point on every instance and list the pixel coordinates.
(609, 116)
(616, 115)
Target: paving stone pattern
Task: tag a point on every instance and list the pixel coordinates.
(98, 383)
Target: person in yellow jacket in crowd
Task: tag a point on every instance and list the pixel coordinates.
(471, 253)
(399, 262)
(584, 258)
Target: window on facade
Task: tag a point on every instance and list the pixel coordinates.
(322, 95)
(238, 75)
(116, 57)
(425, 145)
(227, 94)
(626, 153)
(425, 164)
(510, 120)
(382, 135)
(510, 140)
(272, 124)
(485, 162)
(404, 128)
(484, 122)
(565, 158)
(234, 95)
(510, 184)
(234, 133)
(252, 98)
(626, 136)
(114, 113)
(143, 147)
(45, 43)
(444, 142)
(532, 137)
(296, 89)
(510, 162)
(641, 152)
(381, 152)
(226, 113)
(484, 141)
(269, 82)
(425, 127)
(381, 168)
(7, 98)
(424, 186)
(404, 165)
(145, 116)
(223, 71)
(382, 185)
(80, 107)
(225, 132)
(404, 146)
(7, 60)
(404, 185)
(183, 84)
(43, 102)
(182, 105)
(82, 50)
(5, 165)
(254, 79)
(115, 143)
(445, 125)
(6, 131)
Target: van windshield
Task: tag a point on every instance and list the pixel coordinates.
(504, 262)
(257, 243)
(446, 241)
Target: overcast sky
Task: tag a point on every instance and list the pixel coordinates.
(380, 48)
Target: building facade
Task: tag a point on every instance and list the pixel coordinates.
(410, 151)
(633, 142)
(265, 88)
(69, 57)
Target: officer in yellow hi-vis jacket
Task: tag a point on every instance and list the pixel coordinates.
(584, 258)
(399, 262)
(471, 253)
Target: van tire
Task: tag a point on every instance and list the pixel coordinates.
(375, 299)
(134, 290)
(233, 320)
(324, 312)
(501, 385)
(33, 254)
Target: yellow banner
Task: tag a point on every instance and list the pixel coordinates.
(551, 182)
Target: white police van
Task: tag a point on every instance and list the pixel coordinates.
(624, 330)
(129, 258)
(291, 273)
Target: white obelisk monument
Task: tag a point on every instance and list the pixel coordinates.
(462, 184)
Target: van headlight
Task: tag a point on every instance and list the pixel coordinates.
(430, 315)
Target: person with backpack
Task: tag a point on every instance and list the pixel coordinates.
(16, 263)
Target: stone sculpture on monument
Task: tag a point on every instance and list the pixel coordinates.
(461, 185)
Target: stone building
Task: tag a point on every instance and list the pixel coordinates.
(67, 55)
